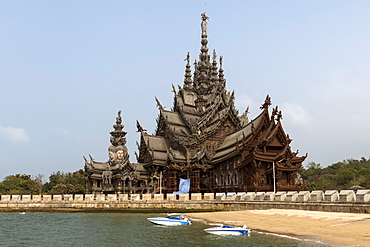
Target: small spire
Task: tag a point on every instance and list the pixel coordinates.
(214, 77)
(187, 80)
(118, 135)
(221, 78)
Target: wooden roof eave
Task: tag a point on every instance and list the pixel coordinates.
(288, 168)
(299, 159)
(224, 157)
(282, 152)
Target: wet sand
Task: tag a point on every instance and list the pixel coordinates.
(341, 228)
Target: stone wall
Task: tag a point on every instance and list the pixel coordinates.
(333, 201)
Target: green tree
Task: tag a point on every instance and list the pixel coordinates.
(18, 184)
(66, 182)
(349, 173)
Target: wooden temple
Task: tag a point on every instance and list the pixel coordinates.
(204, 138)
(117, 175)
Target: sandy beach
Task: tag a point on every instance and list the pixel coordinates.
(341, 228)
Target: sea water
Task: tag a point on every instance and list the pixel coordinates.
(121, 229)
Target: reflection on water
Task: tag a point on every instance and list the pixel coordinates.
(120, 229)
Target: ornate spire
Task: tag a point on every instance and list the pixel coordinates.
(214, 77)
(221, 78)
(118, 135)
(204, 64)
(187, 81)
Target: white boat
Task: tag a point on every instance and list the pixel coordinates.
(174, 219)
(228, 230)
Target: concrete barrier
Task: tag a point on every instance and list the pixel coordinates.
(184, 197)
(36, 198)
(147, 197)
(303, 196)
(291, 196)
(57, 198)
(220, 196)
(240, 196)
(158, 197)
(100, 197)
(269, 196)
(208, 196)
(196, 196)
(5, 198)
(122, 197)
(135, 197)
(260, 196)
(250, 196)
(230, 196)
(347, 196)
(46, 198)
(317, 196)
(331, 195)
(16, 198)
(68, 197)
(79, 197)
(26, 198)
(171, 197)
(363, 196)
(112, 197)
(280, 196)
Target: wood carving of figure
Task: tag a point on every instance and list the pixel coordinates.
(119, 119)
(111, 156)
(204, 24)
(120, 154)
(187, 57)
(107, 177)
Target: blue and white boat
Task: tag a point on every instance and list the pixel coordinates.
(174, 219)
(228, 230)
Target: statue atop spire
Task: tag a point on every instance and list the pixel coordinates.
(204, 24)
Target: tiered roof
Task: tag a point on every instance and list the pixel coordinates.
(204, 123)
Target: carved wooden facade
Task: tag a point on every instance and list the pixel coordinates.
(117, 175)
(203, 138)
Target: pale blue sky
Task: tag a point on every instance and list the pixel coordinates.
(67, 67)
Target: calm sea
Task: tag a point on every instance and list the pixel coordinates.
(119, 229)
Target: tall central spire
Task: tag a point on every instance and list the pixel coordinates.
(204, 64)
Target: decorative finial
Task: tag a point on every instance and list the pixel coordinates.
(187, 57)
(279, 116)
(267, 102)
(246, 110)
(204, 24)
(159, 105)
(119, 119)
(139, 128)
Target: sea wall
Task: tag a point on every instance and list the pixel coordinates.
(329, 201)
